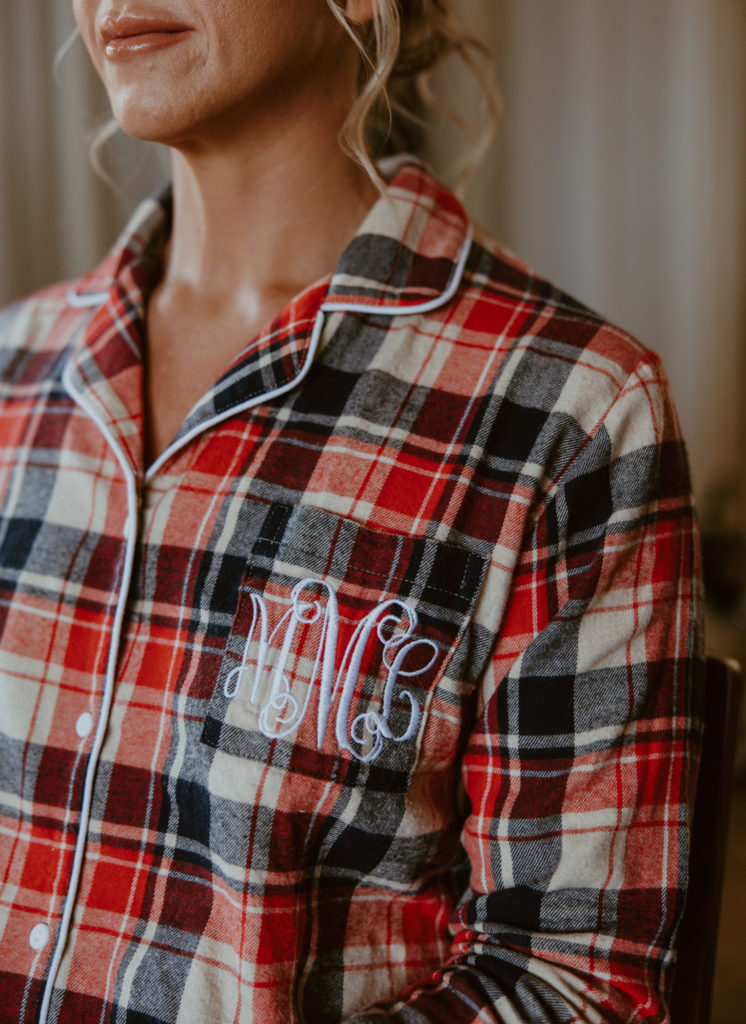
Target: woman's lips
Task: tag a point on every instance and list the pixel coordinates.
(129, 36)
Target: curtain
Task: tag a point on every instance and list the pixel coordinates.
(57, 216)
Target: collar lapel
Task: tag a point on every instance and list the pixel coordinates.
(407, 257)
(409, 253)
(105, 372)
(271, 365)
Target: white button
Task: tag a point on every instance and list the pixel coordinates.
(84, 724)
(39, 936)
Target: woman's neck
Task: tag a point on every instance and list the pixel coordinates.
(252, 228)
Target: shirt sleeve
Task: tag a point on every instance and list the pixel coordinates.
(581, 767)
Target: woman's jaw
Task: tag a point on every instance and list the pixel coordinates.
(196, 73)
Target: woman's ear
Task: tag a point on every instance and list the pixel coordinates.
(360, 12)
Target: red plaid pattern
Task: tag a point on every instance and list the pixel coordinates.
(371, 699)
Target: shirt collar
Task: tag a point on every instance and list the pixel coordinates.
(407, 255)
(140, 242)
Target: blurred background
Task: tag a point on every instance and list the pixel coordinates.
(619, 172)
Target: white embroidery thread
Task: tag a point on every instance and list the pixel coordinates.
(282, 713)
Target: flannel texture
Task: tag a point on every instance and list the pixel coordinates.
(374, 697)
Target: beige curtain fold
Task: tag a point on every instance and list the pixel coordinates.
(57, 217)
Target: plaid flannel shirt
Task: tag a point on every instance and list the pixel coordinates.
(372, 698)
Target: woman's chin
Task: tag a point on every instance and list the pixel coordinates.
(152, 123)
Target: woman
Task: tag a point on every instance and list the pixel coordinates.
(350, 602)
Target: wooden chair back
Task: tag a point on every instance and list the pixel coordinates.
(692, 987)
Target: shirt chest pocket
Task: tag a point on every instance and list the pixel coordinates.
(339, 648)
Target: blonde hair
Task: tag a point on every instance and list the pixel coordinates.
(404, 42)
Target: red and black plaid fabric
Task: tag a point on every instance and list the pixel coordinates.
(371, 699)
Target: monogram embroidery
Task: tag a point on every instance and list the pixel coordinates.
(313, 602)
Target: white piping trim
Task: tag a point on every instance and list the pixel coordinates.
(326, 307)
(106, 700)
(86, 300)
(265, 396)
(417, 307)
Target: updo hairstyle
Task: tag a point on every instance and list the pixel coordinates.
(399, 49)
